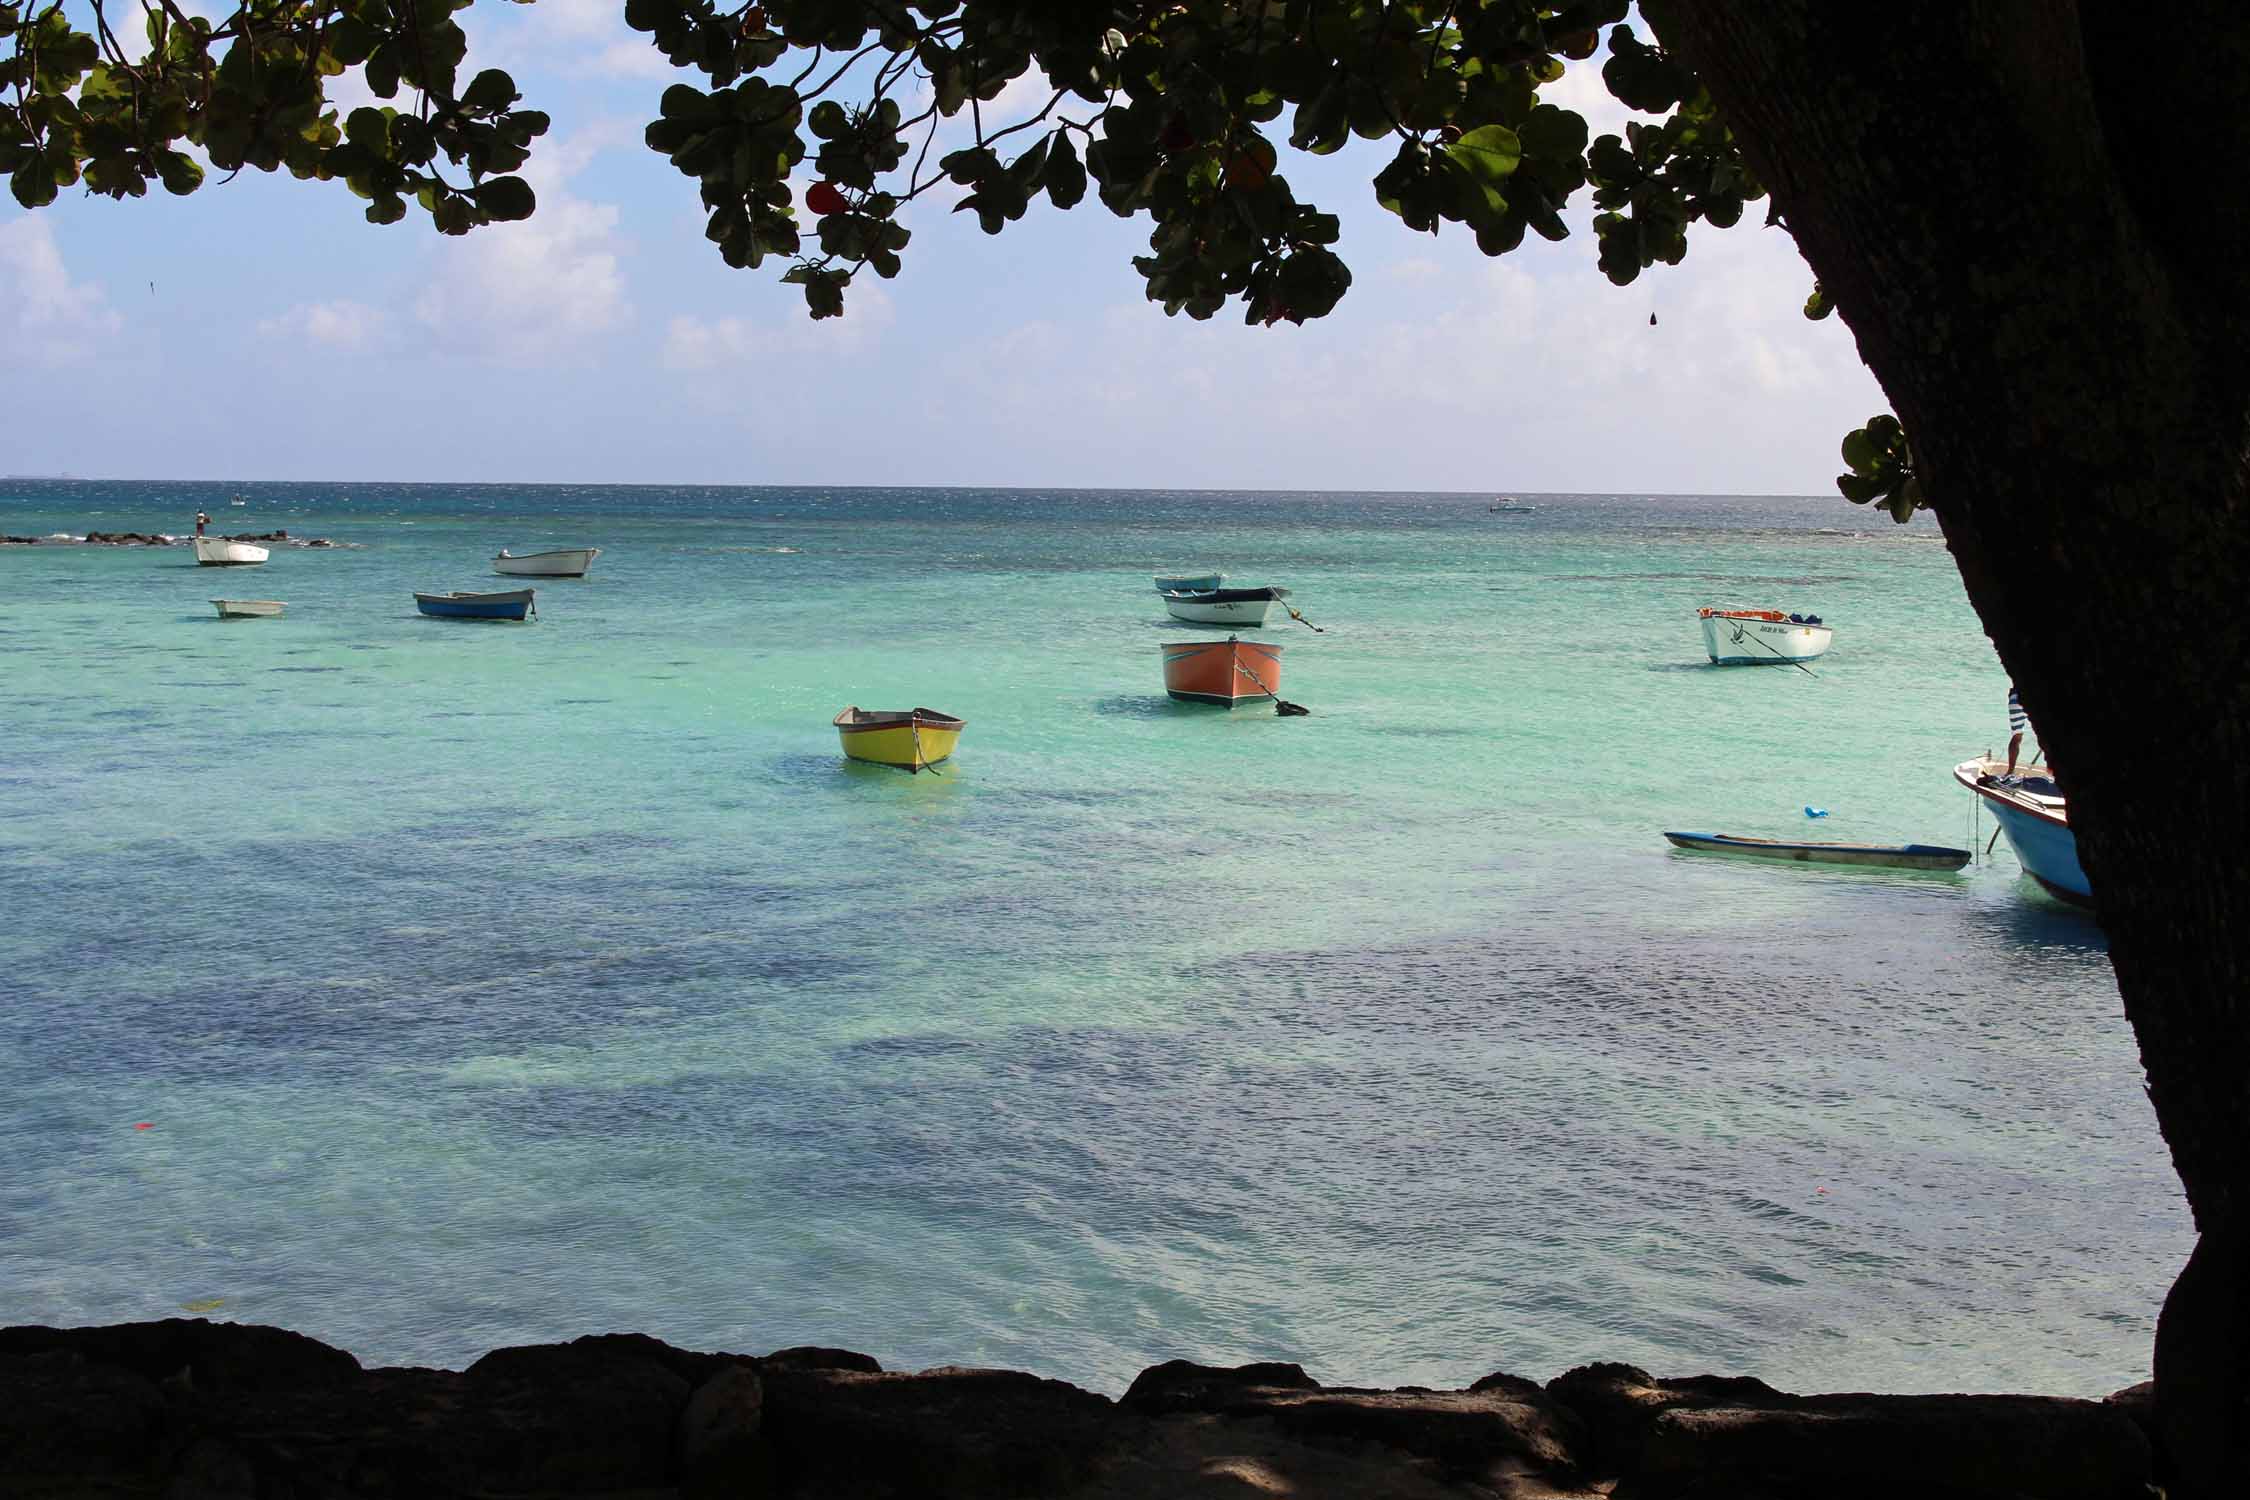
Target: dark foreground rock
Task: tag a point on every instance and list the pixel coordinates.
(184, 1410)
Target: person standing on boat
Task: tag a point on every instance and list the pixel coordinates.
(2018, 722)
(202, 520)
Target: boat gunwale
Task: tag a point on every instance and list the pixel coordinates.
(2003, 796)
(894, 718)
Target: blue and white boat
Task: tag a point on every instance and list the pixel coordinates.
(2030, 810)
(508, 604)
(1189, 583)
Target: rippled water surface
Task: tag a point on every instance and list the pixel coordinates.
(482, 984)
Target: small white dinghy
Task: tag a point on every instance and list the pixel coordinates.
(218, 552)
(560, 562)
(1762, 637)
(249, 609)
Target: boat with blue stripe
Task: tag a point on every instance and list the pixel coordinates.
(2031, 811)
(506, 604)
(1895, 856)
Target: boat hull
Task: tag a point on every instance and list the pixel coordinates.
(1893, 856)
(248, 609)
(1731, 641)
(1221, 672)
(514, 604)
(564, 562)
(2037, 828)
(911, 740)
(218, 552)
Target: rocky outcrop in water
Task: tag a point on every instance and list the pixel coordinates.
(151, 539)
(191, 1410)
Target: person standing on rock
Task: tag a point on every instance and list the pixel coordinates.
(201, 521)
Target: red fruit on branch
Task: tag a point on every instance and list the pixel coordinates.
(826, 198)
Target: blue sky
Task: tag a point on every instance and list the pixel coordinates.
(263, 330)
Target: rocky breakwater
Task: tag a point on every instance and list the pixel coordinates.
(185, 1410)
(158, 539)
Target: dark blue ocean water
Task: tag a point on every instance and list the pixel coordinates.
(487, 984)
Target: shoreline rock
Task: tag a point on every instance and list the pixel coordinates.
(186, 1407)
(159, 539)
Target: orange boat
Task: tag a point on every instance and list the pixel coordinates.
(1222, 672)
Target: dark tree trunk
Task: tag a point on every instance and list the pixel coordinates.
(2009, 205)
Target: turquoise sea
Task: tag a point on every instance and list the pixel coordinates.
(481, 984)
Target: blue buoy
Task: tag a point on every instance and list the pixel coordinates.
(1816, 812)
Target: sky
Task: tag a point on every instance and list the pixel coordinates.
(261, 329)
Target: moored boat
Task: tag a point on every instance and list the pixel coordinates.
(1170, 583)
(2031, 812)
(1897, 856)
(248, 609)
(1223, 672)
(558, 562)
(218, 552)
(1761, 637)
(912, 739)
(1246, 608)
(509, 604)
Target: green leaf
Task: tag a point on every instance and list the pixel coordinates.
(491, 91)
(182, 174)
(505, 198)
(1066, 175)
(33, 182)
(1490, 152)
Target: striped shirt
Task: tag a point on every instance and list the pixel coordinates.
(2018, 720)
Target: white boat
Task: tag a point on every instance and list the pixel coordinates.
(218, 552)
(560, 562)
(1762, 637)
(245, 609)
(1189, 583)
(1241, 608)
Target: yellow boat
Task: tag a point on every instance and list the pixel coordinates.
(910, 738)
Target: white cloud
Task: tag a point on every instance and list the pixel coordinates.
(1532, 373)
(341, 324)
(45, 314)
(576, 38)
(707, 343)
(542, 287)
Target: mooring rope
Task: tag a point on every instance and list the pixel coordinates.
(1280, 706)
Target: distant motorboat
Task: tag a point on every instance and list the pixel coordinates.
(560, 562)
(1509, 505)
(1762, 637)
(2031, 812)
(248, 609)
(218, 552)
(1222, 672)
(1897, 856)
(510, 604)
(912, 739)
(1242, 608)
(1189, 583)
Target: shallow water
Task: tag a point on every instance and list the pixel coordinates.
(482, 984)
